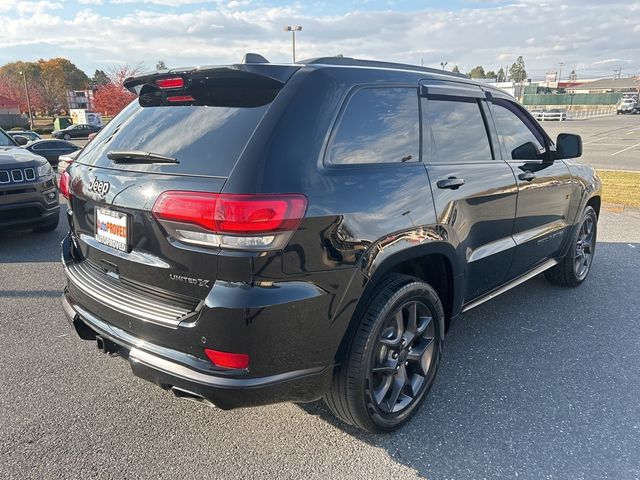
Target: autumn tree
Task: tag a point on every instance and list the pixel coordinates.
(12, 84)
(53, 87)
(112, 97)
(48, 82)
(455, 69)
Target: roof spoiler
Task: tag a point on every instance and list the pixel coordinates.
(251, 84)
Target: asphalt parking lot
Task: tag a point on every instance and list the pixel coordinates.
(542, 382)
(611, 143)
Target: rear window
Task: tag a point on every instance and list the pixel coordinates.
(205, 140)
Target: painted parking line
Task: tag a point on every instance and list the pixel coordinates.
(625, 149)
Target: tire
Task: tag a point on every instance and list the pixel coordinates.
(576, 265)
(406, 359)
(67, 136)
(48, 227)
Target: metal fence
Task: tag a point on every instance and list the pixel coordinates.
(563, 115)
(571, 99)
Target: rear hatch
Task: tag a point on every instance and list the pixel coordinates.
(185, 132)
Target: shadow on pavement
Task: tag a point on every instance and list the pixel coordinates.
(20, 246)
(541, 382)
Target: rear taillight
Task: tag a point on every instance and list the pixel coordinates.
(227, 359)
(247, 222)
(65, 185)
(176, 82)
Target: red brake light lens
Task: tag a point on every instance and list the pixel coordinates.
(176, 82)
(65, 185)
(234, 214)
(226, 359)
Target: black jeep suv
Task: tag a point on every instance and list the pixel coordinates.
(260, 233)
(28, 191)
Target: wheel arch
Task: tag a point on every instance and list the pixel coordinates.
(434, 263)
(595, 202)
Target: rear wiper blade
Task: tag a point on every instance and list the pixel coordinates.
(135, 156)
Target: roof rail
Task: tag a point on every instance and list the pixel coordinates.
(356, 62)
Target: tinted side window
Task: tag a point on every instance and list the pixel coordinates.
(379, 125)
(458, 132)
(517, 139)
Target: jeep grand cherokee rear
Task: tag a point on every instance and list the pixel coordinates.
(257, 233)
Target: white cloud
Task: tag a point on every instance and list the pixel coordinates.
(90, 2)
(586, 35)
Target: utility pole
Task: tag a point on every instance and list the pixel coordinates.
(560, 73)
(293, 31)
(443, 64)
(26, 89)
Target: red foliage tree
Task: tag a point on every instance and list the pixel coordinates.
(112, 97)
(13, 88)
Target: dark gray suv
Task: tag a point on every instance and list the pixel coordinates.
(28, 191)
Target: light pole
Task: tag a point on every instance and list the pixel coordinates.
(444, 64)
(26, 89)
(293, 31)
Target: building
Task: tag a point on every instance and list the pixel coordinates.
(80, 99)
(607, 85)
(9, 106)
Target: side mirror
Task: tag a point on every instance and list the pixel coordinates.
(526, 151)
(20, 140)
(569, 145)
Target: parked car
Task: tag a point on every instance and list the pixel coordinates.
(316, 231)
(65, 160)
(28, 134)
(28, 192)
(627, 105)
(51, 149)
(76, 131)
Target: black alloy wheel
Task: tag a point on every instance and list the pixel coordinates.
(393, 359)
(576, 265)
(403, 357)
(584, 247)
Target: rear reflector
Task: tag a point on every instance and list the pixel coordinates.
(180, 99)
(65, 185)
(176, 82)
(226, 359)
(254, 222)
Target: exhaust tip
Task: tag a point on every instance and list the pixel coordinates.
(191, 396)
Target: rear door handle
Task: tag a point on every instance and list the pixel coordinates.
(527, 176)
(452, 182)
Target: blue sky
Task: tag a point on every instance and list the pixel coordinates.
(592, 37)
